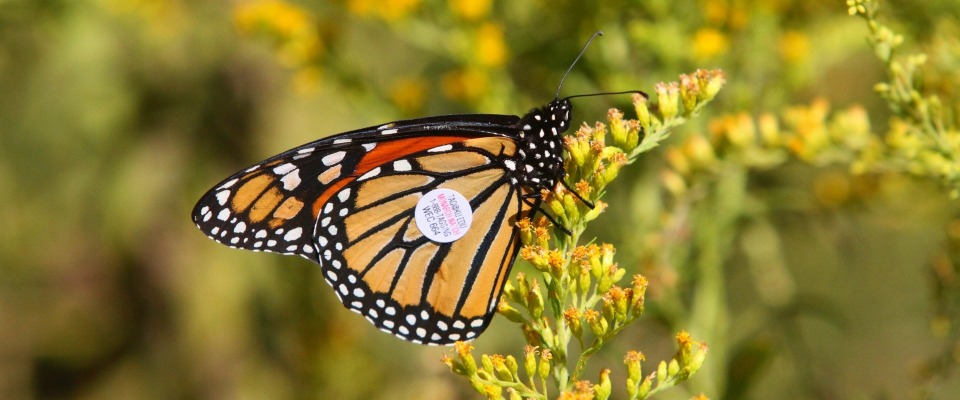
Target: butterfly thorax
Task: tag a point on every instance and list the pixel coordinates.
(539, 159)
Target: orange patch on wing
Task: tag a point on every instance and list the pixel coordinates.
(410, 285)
(412, 232)
(375, 189)
(330, 174)
(498, 258)
(449, 285)
(380, 276)
(360, 222)
(266, 203)
(471, 185)
(493, 145)
(248, 192)
(394, 149)
(360, 254)
(385, 151)
(289, 208)
(453, 161)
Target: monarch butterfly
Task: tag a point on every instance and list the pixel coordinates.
(412, 222)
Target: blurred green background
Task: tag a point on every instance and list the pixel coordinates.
(115, 116)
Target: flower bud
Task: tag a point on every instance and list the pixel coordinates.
(535, 300)
(557, 209)
(512, 314)
(668, 97)
(618, 129)
(715, 79)
(662, 372)
(493, 392)
(640, 105)
(673, 368)
(574, 148)
(633, 361)
(602, 389)
(598, 208)
(544, 369)
(500, 367)
(689, 91)
(634, 135)
(511, 363)
(598, 325)
(698, 358)
(584, 280)
(523, 288)
(639, 291)
(685, 347)
(616, 159)
(645, 387)
(486, 364)
(530, 360)
(769, 130)
(571, 211)
(526, 231)
(572, 318)
(464, 354)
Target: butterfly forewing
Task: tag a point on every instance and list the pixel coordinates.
(272, 205)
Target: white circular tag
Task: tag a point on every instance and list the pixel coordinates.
(443, 215)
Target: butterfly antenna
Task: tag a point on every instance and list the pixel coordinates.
(598, 33)
(640, 92)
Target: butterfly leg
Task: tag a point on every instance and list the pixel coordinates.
(586, 202)
(536, 206)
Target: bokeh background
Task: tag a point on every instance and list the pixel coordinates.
(116, 115)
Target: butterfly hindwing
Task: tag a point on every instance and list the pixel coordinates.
(382, 266)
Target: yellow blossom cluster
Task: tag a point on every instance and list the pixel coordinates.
(291, 29)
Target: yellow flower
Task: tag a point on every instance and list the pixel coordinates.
(699, 152)
(769, 130)
(386, 10)
(307, 80)
(292, 29)
(811, 135)
(396, 9)
(468, 84)
(491, 50)
(739, 16)
(794, 47)
(408, 94)
(708, 43)
(277, 17)
(360, 7)
(716, 11)
(471, 9)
